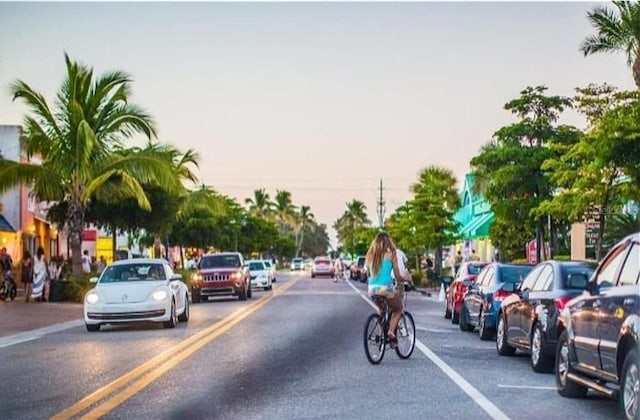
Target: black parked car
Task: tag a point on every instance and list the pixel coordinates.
(599, 332)
(528, 317)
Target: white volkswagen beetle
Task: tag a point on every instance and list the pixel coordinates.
(137, 290)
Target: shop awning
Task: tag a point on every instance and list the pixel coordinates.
(478, 227)
(5, 226)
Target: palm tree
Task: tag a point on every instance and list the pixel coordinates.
(617, 31)
(303, 220)
(284, 209)
(260, 203)
(352, 220)
(79, 142)
(620, 225)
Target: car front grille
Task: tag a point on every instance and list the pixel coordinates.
(216, 277)
(125, 315)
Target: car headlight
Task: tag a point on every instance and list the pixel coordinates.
(92, 298)
(159, 295)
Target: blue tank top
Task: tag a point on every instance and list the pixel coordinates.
(383, 277)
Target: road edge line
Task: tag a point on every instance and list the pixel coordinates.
(23, 337)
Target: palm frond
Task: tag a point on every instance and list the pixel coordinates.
(13, 174)
(129, 187)
(37, 104)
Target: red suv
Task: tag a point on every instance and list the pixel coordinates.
(457, 289)
(222, 274)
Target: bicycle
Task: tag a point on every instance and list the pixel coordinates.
(8, 287)
(375, 333)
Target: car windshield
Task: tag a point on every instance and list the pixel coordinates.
(514, 274)
(325, 262)
(133, 272)
(267, 263)
(256, 266)
(219, 261)
(297, 260)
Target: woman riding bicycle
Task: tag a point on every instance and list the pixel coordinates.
(382, 260)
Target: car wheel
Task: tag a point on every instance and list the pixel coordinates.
(540, 361)
(92, 327)
(455, 317)
(173, 319)
(184, 316)
(630, 385)
(464, 325)
(243, 294)
(484, 332)
(504, 349)
(565, 386)
(447, 311)
(249, 291)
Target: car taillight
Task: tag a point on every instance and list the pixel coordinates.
(561, 302)
(501, 294)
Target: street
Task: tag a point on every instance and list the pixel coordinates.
(295, 352)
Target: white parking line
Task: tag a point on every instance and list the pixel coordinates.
(35, 334)
(490, 408)
(527, 387)
(434, 330)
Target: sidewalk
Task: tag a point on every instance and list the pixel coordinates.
(19, 317)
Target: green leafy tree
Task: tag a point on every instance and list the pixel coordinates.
(284, 210)
(616, 31)
(508, 169)
(435, 202)
(302, 220)
(260, 204)
(79, 142)
(350, 224)
(316, 240)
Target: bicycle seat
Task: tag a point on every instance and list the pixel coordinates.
(379, 299)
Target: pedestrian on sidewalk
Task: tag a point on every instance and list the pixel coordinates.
(26, 274)
(40, 276)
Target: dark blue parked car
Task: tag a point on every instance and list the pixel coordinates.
(480, 306)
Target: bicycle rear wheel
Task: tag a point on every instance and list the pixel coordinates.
(374, 340)
(406, 335)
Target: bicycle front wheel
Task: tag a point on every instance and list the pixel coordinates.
(406, 334)
(374, 339)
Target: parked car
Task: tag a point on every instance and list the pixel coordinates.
(272, 269)
(599, 332)
(322, 266)
(457, 289)
(221, 274)
(528, 317)
(136, 290)
(259, 274)
(481, 303)
(297, 264)
(357, 270)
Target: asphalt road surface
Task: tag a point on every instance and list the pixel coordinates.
(292, 353)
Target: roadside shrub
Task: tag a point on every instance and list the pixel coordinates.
(520, 261)
(76, 288)
(417, 277)
(562, 258)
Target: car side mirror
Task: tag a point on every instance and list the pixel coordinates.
(509, 287)
(446, 280)
(577, 281)
(93, 280)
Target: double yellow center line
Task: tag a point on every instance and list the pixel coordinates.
(151, 370)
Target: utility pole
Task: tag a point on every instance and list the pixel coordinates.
(381, 207)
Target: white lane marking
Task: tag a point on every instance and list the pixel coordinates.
(527, 387)
(35, 334)
(434, 330)
(490, 408)
(317, 293)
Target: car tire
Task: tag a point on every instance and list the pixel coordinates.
(184, 316)
(485, 333)
(447, 311)
(541, 362)
(504, 349)
(173, 318)
(564, 385)
(630, 373)
(243, 294)
(92, 327)
(464, 325)
(249, 292)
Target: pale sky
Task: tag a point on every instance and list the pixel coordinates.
(322, 100)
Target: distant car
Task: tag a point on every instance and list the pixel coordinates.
(357, 270)
(529, 316)
(136, 290)
(297, 264)
(457, 289)
(481, 304)
(259, 274)
(322, 266)
(272, 269)
(221, 274)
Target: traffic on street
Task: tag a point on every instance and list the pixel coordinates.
(293, 352)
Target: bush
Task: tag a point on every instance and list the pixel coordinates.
(520, 261)
(562, 258)
(76, 288)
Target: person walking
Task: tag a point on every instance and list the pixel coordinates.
(26, 274)
(40, 276)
